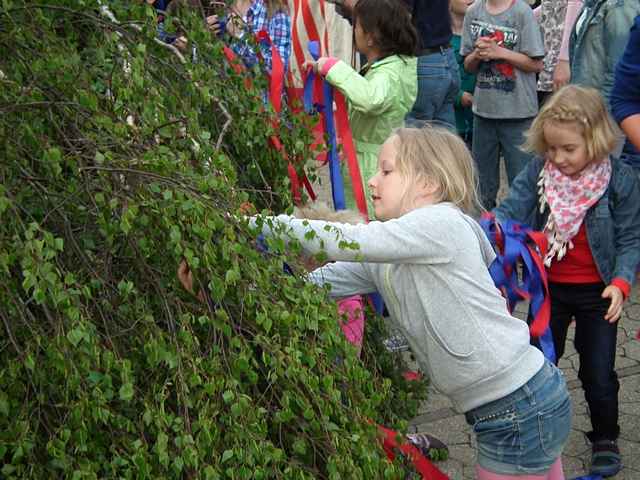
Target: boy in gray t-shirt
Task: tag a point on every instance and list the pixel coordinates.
(502, 42)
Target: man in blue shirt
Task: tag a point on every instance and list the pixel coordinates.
(438, 76)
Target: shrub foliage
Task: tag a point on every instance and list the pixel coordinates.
(118, 160)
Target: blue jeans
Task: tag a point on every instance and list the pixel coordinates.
(438, 85)
(490, 137)
(631, 155)
(595, 342)
(524, 432)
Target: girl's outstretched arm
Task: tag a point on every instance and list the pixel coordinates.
(422, 236)
(345, 278)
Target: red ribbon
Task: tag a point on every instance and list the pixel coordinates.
(276, 87)
(344, 133)
(423, 466)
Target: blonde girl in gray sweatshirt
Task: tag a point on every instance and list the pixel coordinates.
(428, 258)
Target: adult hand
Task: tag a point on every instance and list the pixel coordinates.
(561, 74)
(213, 24)
(617, 299)
(466, 100)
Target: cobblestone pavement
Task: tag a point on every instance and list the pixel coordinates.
(438, 418)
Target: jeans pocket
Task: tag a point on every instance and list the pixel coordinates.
(555, 426)
(498, 433)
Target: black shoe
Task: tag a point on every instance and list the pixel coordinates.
(605, 458)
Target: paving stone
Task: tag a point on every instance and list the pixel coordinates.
(632, 350)
(624, 361)
(577, 445)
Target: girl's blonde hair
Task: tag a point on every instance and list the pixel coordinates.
(581, 106)
(436, 154)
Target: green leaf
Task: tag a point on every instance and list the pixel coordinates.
(75, 336)
(126, 392)
(228, 396)
(4, 405)
(29, 362)
(227, 455)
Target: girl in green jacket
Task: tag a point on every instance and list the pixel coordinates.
(382, 93)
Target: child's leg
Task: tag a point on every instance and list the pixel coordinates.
(485, 155)
(596, 344)
(353, 327)
(554, 473)
(562, 310)
(511, 134)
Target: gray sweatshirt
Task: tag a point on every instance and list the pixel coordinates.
(430, 266)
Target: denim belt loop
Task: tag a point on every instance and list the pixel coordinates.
(529, 393)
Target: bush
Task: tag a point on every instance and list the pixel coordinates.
(118, 161)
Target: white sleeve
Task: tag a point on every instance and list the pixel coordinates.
(345, 278)
(419, 237)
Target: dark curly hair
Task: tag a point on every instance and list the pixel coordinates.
(390, 23)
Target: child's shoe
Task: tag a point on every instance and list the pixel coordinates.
(429, 446)
(396, 343)
(605, 458)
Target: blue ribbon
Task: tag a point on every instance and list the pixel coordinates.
(504, 273)
(337, 187)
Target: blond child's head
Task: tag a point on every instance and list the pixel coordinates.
(423, 166)
(573, 129)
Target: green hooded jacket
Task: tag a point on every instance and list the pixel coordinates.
(378, 102)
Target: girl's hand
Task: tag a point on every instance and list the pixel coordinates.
(617, 299)
(316, 66)
(185, 276)
(186, 279)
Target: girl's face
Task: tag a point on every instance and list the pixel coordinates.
(459, 7)
(566, 147)
(364, 41)
(392, 193)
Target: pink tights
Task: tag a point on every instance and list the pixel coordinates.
(554, 473)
